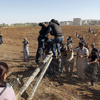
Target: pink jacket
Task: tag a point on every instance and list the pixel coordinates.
(8, 94)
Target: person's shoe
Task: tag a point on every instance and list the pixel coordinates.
(92, 83)
(54, 57)
(37, 62)
(59, 54)
(48, 53)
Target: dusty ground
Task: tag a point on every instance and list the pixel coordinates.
(53, 87)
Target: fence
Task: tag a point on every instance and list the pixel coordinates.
(44, 66)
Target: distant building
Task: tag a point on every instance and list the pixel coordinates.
(64, 23)
(90, 22)
(77, 21)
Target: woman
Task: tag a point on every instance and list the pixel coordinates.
(6, 91)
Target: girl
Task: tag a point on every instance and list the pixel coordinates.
(6, 92)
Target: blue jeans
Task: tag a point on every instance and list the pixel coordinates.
(40, 48)
(55, 42)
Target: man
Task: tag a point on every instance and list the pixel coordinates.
(58, 36)
(89, 30)
(43, 37)
(83, 40)
(93, 48)
(91, 69)
(69, 40)
(82, 60)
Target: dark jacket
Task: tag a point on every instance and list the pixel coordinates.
(44, 31)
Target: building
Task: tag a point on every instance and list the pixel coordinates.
(77, 21)
(90, 22)
(64, 23)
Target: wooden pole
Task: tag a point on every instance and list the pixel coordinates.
(37, 70)
(39, 80)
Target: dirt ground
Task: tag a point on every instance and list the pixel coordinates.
(54, 87)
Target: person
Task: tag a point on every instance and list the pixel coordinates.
(58, 36)
(46, 48)
(6, 91)
(77, 35)
(42, 38)
(1, 39)
(93, 31)
(70, 61)
(89, 30)
(81, 60)
(83, 40)
(25, 49)
(99, 59)
(62, 59)
(91, 69)
(69, 40)
(94, 49)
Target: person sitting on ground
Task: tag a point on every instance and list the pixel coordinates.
(6, 91)
(26, 49)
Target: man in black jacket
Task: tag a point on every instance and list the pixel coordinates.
(42, 38)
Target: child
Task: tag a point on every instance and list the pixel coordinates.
(69, 61)
(63, 57)
(25, 50)
(6, 91)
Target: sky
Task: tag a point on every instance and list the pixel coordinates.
(23, 11)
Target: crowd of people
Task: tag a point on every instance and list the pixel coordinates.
(86, 63)
(65, 53)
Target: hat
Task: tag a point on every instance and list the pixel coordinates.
(55, 21)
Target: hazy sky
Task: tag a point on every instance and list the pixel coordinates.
(22, 11)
